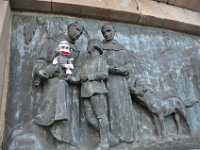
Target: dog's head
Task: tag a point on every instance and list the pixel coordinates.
(140, 88)
(137, 89)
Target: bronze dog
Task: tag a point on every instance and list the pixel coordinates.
(162, 107)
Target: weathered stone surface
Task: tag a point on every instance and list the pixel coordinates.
(187, 4)
(167, 60)
(167, 16)
(5, 25)
(148, 12)
(22, 4)
(4, 45)
(108, 10)
(43, 5)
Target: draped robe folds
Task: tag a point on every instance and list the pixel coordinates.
(59, 106)
(121, 113)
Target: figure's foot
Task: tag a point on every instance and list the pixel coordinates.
(163, 137)
(112, 140)
(180, 133)
(103, 146)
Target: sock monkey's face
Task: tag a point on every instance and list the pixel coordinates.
(64, 48)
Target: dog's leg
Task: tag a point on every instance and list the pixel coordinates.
(184, 115)
(157, 125)
(162, 123)
(178, 123)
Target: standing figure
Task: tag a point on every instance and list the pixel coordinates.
(63, 57)
(59, 107)
(121, 113)
(93, 75)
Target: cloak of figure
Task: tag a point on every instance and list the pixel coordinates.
(59, 108)
(121, 113)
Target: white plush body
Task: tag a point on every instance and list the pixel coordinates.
(65, 63)
(63, 58)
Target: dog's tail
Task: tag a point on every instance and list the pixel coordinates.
(189, 103)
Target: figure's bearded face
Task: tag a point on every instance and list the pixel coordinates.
(64, 48)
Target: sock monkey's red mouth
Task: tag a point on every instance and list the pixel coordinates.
(64, 53)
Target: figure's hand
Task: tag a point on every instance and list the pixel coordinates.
(75, 80)
(113, 70)
(43, 74)
(125, 73)
(83, 78)
(49, 71)
(123, 70)
(119, 70)
(138, 92)
(101, 76)
(53, 70)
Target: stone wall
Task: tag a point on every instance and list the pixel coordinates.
(188, 4)
(166, 48)
(4, 60)
(144, 12)
(167, 60)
